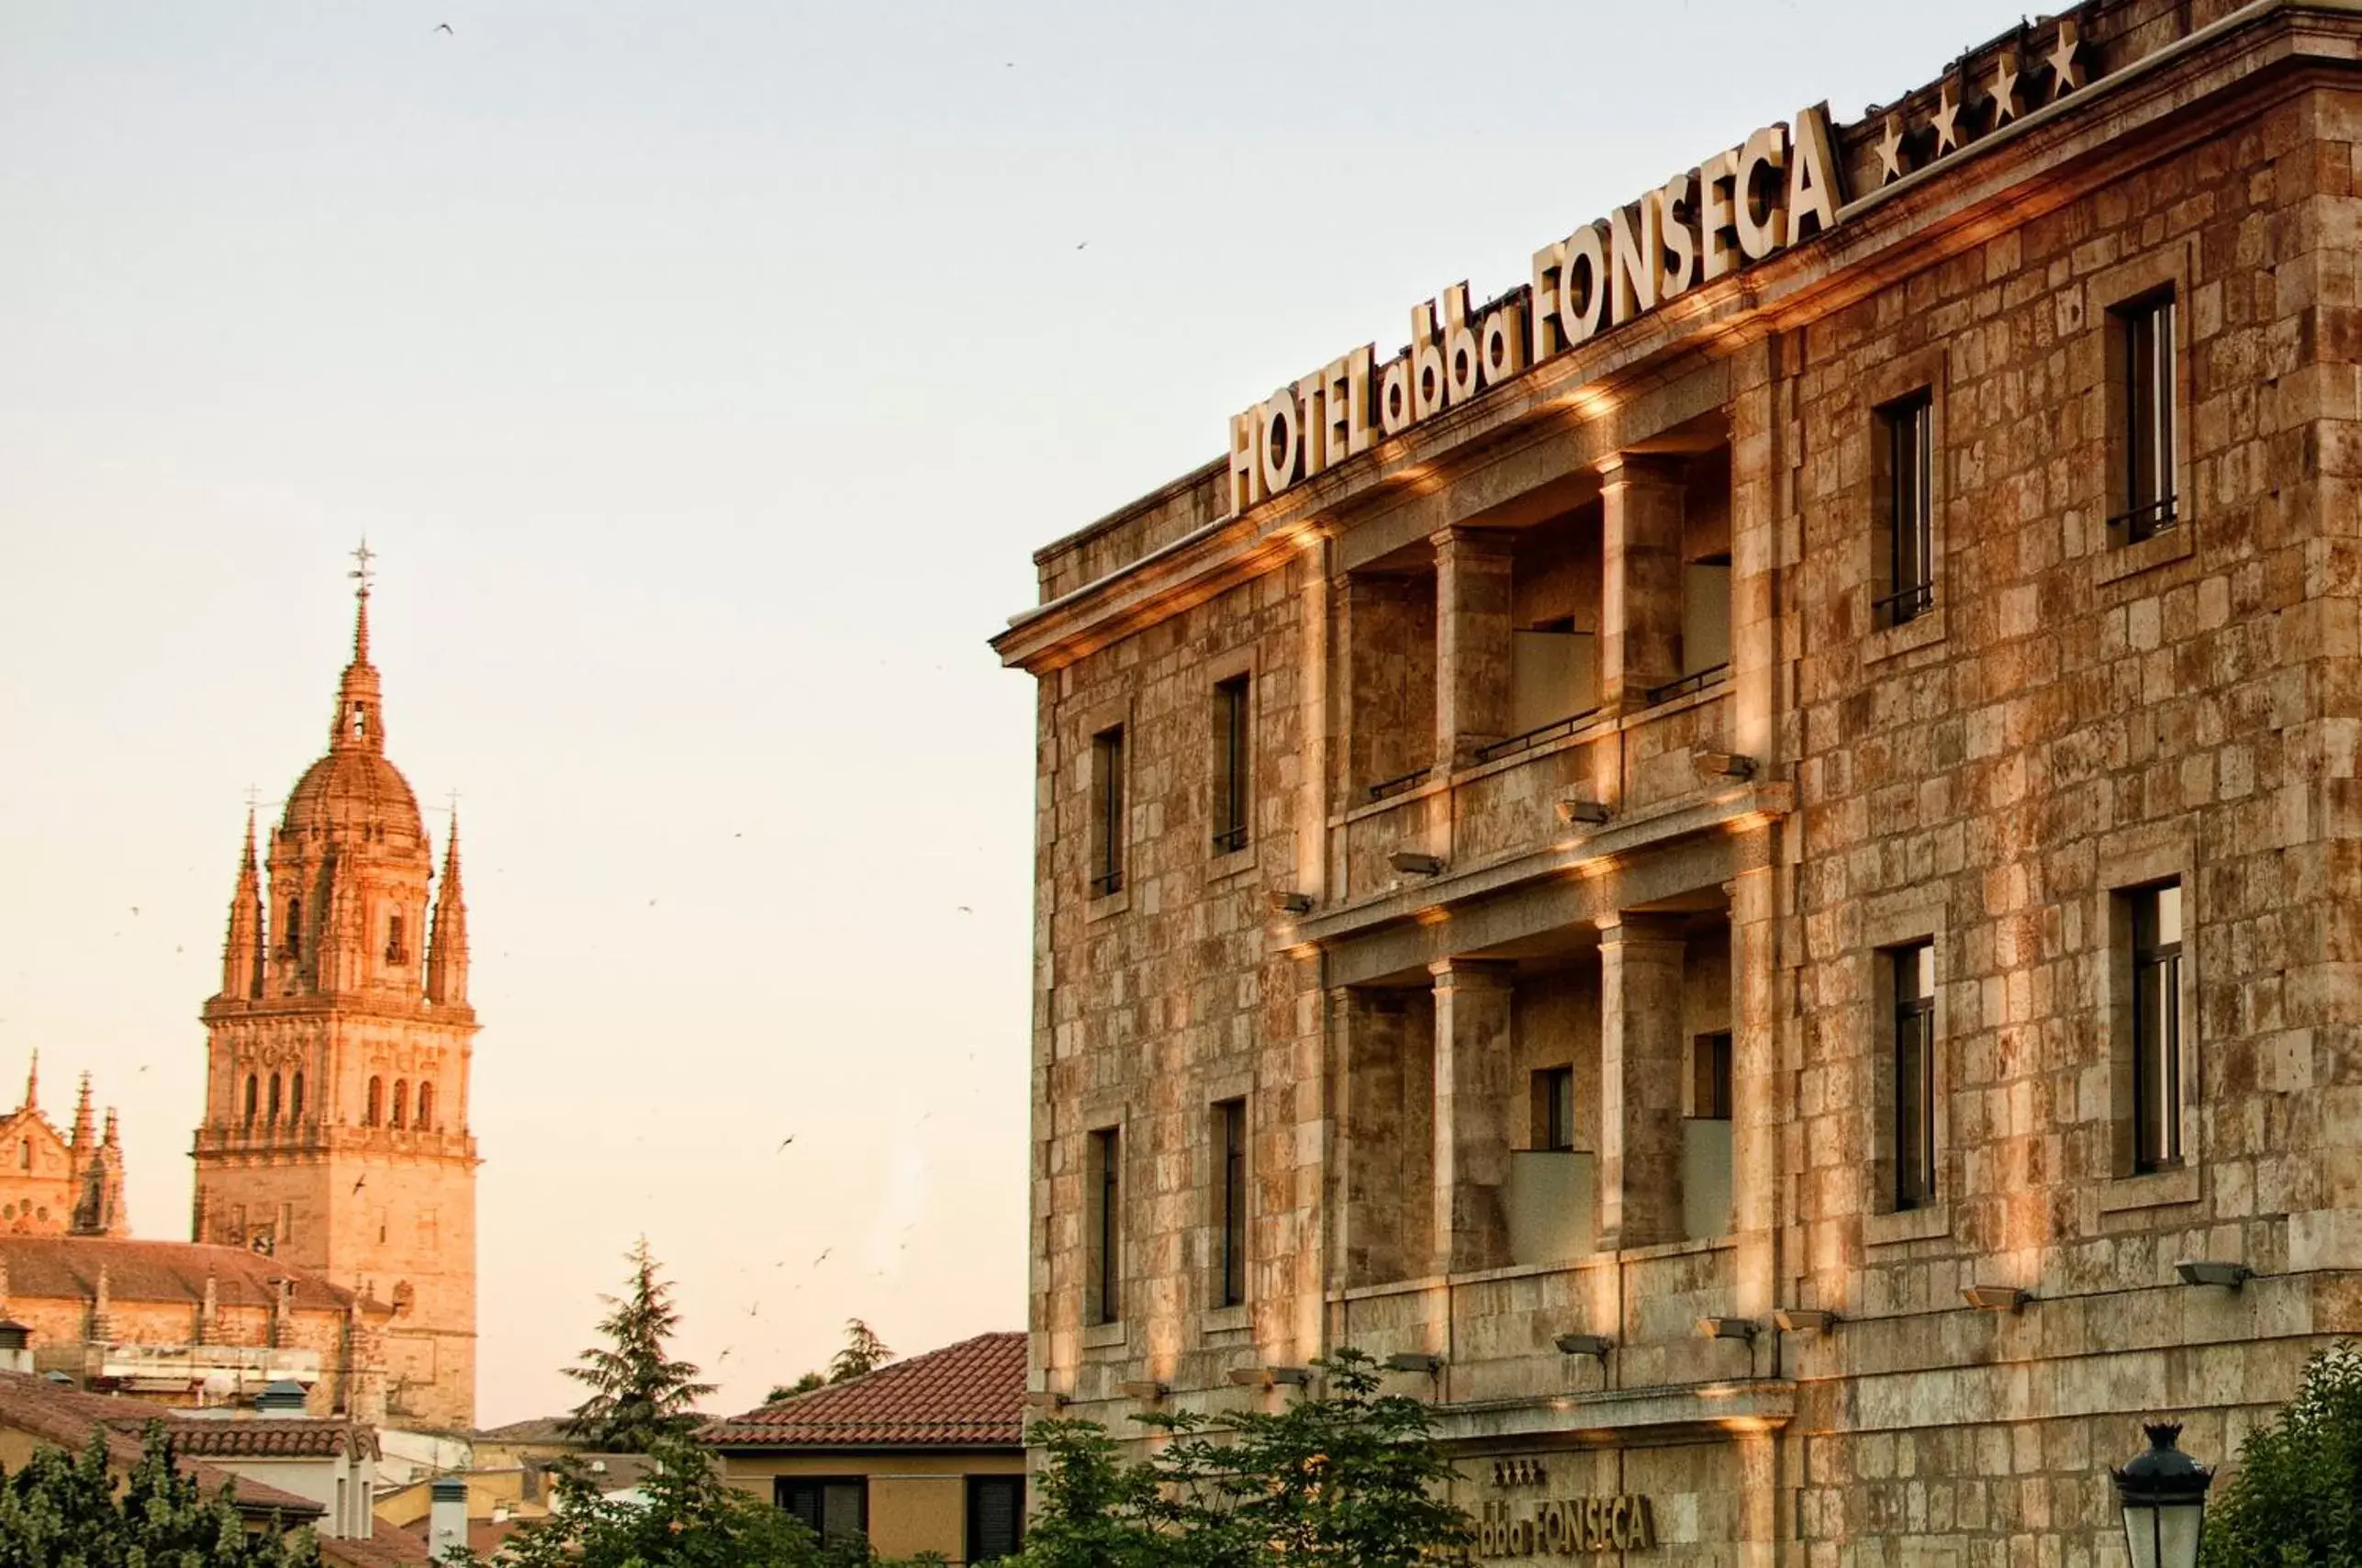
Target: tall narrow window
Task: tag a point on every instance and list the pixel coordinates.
(1914, 1066)
(996, 1517)
(2144, 331)
(292, 942)
(1233, 772)
(2156, 1027)
(395, 952)
(373, 1106)
(1230, 1143)
(253, 1095)
(274, 1098)
(1709, 1096)
(426, 1116)
(295, 1099)
(24, 1154)
(401, 1101)
(1105, 1174)
(1107, 812)
(1554, 1097)
(1907, 513)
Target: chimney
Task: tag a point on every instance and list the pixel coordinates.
(447, 1520)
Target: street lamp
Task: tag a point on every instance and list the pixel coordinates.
(2164, 1495)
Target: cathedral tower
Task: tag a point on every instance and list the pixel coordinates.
(335, 1130)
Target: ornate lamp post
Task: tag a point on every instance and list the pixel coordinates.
(2163, 1497)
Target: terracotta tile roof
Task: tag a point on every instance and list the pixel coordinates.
(387, 1549)
(66, 1417)
(216, 1437)
(971, 1395)
(65, 1268)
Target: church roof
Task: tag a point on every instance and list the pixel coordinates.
(65, 1268)
(348, 789)
(971, 1395)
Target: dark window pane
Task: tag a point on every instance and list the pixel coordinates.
(2156, 1027)
(996, 1516)
(1914, 1074)
(1231, 1121)
(1107, 1235)
(1554, 1109)
(2146, 395)
(1233, 772)
(1107, 815)
(1710, 1082)
(1906, 507)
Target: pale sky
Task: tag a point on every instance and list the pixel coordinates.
(705, 376)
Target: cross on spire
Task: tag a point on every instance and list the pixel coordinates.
(365, 573)
(362, 572)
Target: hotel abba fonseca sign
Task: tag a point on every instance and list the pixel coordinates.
(1774, 190)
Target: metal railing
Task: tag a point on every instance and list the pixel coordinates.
(1904, 604)
(1106, 883)
(1534, 736)
(1696, 680)
(2146, 522)
(1230, 840)
(1385, 786)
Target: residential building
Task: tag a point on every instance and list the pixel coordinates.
(921, 1455)
(1784, 953)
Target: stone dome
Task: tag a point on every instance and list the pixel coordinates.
(350, 788)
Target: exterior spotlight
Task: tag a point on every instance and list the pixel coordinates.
(2211, 1272)
(1290, 904)
(1804, 1320)
(1411, 863)
(1044, 1399)
(1994, 1298)
(2163, 1493)
(1268, 1377)
(1415, 1361)
(1147, 1391)
(1595, 1345)
(1726, 764)
(1579, 810)
(1726, 1329)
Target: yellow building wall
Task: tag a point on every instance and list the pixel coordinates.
(918, 1502)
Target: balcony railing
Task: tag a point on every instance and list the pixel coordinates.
(1537, 735)
(1386, 787)
(1696, 680)
(2146, 522)
(1904, 604)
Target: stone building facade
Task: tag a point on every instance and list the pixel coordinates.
(52, 1182)
(335, 1133)
(1738, 856)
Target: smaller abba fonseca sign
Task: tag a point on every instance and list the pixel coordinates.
(1565, 1527)
(1775, 189)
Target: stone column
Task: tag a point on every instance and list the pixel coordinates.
(1368, 1037)
(1641, 586)
(1754, 1093)
(1473, 684)
(1471, 1114)
(1639, 1080)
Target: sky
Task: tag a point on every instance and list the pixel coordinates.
(704, 376)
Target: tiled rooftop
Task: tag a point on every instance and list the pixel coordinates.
(971, 1395)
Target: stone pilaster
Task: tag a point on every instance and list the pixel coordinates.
(1473, 683)
(1639, 1081)
(1640, 587)
(1471, 1114)
(1369, 1033)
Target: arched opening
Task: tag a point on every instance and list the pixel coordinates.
(24, 1154)
(426, 1117)
(370, 1108)
(395, 952)
(401, 1101)
(274, 1098)
(254, 1093)
(295, 1099)
(291, 939)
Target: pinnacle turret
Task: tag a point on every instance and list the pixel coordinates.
(241, 951)
(447, 949)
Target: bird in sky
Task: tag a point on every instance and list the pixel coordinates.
(444, 28)
(1084, 246)
(823, 1256)
(785, 1141)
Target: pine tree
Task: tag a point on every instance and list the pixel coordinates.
(864, 1353)
(638, 1397)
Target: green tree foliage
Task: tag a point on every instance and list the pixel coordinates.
(61, 1511)
(639, 1396)
(2296, 1499)
(803, 1384)
(1348, 1479)
(864, 1353)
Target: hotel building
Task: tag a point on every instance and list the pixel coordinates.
(1745, 859)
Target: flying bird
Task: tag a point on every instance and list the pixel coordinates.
(444, 28)
(785, 1141)
(1084, 246)
(823, 1256)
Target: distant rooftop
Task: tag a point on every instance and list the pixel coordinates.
(971, 1395)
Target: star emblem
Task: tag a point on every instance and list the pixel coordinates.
(2005, 89)
(2066, 71)
(1946, 121)
(1890, 150)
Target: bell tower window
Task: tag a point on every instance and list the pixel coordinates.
(395, 952)
(426, 1116)
(401, 1101)
(360, 721)
(291, 941)
(370, 1106)
(274, 1097)
(295, 1099)
(254, 1093)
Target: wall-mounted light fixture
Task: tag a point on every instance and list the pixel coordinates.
(1411, 863)
(1415, 1361)
(1727, 1329)
(1289, 903)
(1592, 1345)
(1805, 1320)
(1269, 1377)
(1147, 1391)
(1994, 1298)
(1581, 810)
(1726, 764)
(2213, 1271)
(1045, 1399)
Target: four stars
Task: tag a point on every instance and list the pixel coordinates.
(2063, 59)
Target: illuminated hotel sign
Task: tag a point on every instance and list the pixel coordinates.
(1774, 190)
(1567, 1528)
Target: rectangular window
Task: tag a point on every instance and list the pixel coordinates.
(1907, 508)
(2156, 1027)
(1107, 812)
(2145, 334)
(1233, 772)
(1554, 1110)
(835, 1508)
(1105, 1174)
(996, 1517)
(1914, 1066)
(1230, 1143)
(1710, 1077)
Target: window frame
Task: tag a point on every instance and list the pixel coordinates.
(1905, 505)
(1233, 792)
(783, 1485)
(1554, 1109)
(1103, 1226)
(1108, 838)
(1712, 1065)
(978, 1484)
(2144, 468)
(1911, 1023)
(1233, 1192)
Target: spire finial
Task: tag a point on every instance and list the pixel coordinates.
(364, 574)
(33, 1082)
